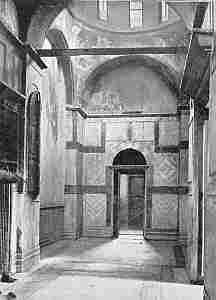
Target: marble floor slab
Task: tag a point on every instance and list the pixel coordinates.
(93, 288)
(125, 268)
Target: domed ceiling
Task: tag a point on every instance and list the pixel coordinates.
(125, 16)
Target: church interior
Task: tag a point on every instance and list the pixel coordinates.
(108, 183)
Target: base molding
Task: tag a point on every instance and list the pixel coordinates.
(69, 236)
(182, 238)
(161, 235)
(101, 232)
(46, 241)
(29, 259)
(206, 295)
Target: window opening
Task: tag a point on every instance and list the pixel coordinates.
(103, 10)
(136, 13)
(164, 11)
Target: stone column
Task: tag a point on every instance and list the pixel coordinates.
(195, 200)
(184, 113)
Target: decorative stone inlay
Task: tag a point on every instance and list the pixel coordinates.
(168, 132)
(164, 211)
(95, 209)
(94, 166)
(117, 131)
(92, 133)
(165, 170)
(143, 131)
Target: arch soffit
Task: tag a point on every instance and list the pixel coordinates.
(167, 74)
(129, 145)
(57, 39)
(139, 154)
(47, 12)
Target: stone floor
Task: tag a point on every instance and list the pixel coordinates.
(128, 267)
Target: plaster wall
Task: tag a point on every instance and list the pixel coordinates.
(52, 152)
(41, 220)
(210, 207)
(52, 139)
(128, 87)
(25, 250)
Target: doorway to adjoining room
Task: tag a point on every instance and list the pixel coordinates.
(129, 192)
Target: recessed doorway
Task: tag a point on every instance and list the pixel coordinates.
(129, 192)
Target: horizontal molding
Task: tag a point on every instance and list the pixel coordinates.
(46, 242)
(132, 114)
(161, 230)
(52, 207)
(98, 231)
(69, 236)
(183, 238)
(73, 189)
(77, 109)
(103, 189)
(179, 190)
(87, 149)
(29, 259)
(84, 149)
(162, 149)
(161, 235)
(86, 189)
(183, 145)
(166, 149)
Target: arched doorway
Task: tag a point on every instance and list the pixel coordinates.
(129, 192)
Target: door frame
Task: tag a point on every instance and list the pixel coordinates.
(127, 169)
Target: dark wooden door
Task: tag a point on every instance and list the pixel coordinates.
(136, 195)
(116, 184)
(5, 226)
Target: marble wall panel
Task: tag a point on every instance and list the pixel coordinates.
(143, 131)
(92, 133)
(183, 178)
(184, 126)
(70, 167)
(183, 213)
(94, 210)
(165, 169)
(164, 211)
(117, 131)
(148, 131)
(70, 215)
(94, 169)
(80, 129)
(51, 224)
(168, 132)
(68, 126)
(137, 130)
